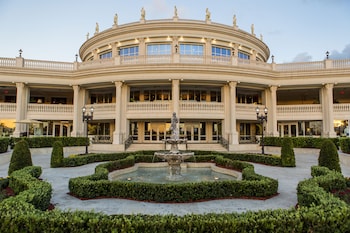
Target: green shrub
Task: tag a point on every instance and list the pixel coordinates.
(287, 153)
(29, 188)
(344, 144)
(4, 144)
(328, 156)
(97, 184)
(21, 157)
(57, 154)
(40, 142)
(300, 142)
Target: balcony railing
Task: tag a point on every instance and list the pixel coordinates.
(187, 108)
(167, 59)
(49, 108)
(201, 106)
(146, 106)
(302, 108)
(8, 107)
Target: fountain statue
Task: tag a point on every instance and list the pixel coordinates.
(174, 157)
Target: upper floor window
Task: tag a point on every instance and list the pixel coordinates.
(243, 56)
(191, 49)
(129, 51)
(106, 55)
(219, 51)
(158, 49)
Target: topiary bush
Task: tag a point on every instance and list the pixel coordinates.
(287, 153)
(57, 154)
(21, 157)
(328, 156)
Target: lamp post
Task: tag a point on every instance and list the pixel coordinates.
(86, 118)
(261, 118)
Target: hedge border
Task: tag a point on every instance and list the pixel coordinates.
(331, 215)
(98, 185)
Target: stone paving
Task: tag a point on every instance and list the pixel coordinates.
(288, 179)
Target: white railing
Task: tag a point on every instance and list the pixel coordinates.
(302, 108)
(50, 108)
(157, 59)
(149, 106)
(192, 59)
(341, 108)
(100, 108)
(341, 63)
(300, 66)
(131, 60)
(49, 65)
(107, 62)
(7, 61)
(248, 107)
(185, 59)
(201, 106)
(8, 107)
(221, 60)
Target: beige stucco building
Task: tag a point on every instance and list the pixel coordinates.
(213, 76)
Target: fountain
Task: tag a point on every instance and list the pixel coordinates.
(174, 157)
(155, 172)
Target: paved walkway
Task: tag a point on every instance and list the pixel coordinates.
(288, 179)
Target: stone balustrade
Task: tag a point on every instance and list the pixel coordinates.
(185, 59)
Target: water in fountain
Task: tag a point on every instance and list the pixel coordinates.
(174, 156)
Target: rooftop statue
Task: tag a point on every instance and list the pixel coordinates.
(234, 21)
(97, 28)
(207, 14)
(175, 11)
(115, 19)
(143, 13)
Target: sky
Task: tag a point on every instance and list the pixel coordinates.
(294, 30)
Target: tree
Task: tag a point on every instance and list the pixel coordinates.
(57, 154)
(287, 153)
(328, 156)
(21, 157)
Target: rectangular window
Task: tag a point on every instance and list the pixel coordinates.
(219, 51)
(158, 49)
(129, 51)
(243, 56)
(191, 49)
(106, 55)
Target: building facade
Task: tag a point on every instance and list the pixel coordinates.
(136, 75)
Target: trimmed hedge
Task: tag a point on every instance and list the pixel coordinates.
(4, 144)
(40, 142)
(344, 144)
(328, 156)
(21, 157)
(29, 189)
(300, 142)
(287, 153)
(98, 185)
(204, 156)
(57, 154)
(315, 191)
(325, 213)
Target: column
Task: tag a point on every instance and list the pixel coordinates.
(327, 110)
(20, 110)
(176, 96)
(142, 47)
(117, 138)
(271, 104)
(233, 128)
(77, 105)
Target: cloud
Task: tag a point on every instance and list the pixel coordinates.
(345, 54)
(302, 57)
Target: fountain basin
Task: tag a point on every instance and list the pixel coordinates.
(191, 172)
